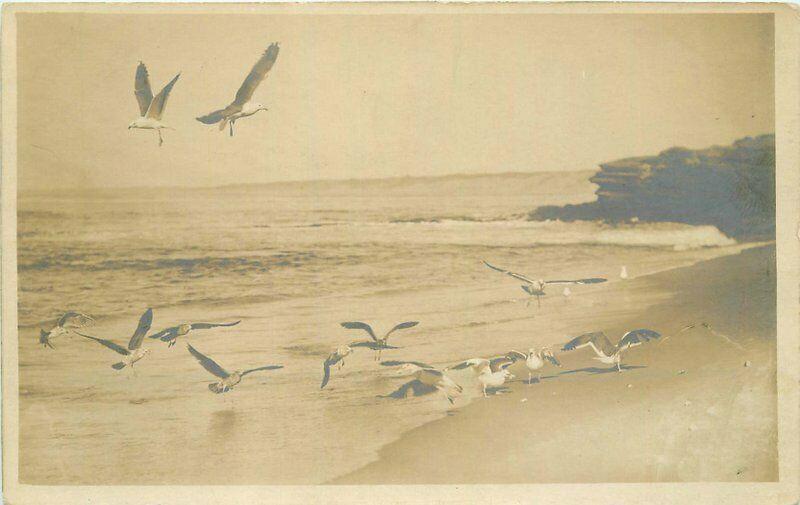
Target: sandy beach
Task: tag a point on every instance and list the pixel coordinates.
(684, 409)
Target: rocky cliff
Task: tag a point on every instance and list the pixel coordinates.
(731, 187)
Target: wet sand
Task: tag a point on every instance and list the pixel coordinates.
(684, 409)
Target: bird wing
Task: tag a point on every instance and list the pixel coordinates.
(219, 115)
(507, 272)
(75, 320)
(637, 337)
(256, 75)
(327, 372)
(44, 338)
(142, 90)
(108, 343)
(267, 367)
(144, 326)
(358, 325)
(598, 340)
(399, 363)
(205, 326)
(156, 109)
(549, 356)
(167, 332)
(592, 280)
(401, 326)
(501, 363)
(208, 363)
(478, 363)
(516, 355)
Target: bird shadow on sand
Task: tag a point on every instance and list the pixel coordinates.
(415, 387)
(593, 370)
(497, 391)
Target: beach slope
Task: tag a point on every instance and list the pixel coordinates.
(700, 405)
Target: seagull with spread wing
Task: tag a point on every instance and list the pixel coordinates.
(134, 352)
(608, 353)
(534, 360)
(66, 323)
(150, 108)
(535, 287)
(428, 376)
(241, 105)
(376, 344)
(336, 357)
(490, 373)
(172, 333)
(227, 379)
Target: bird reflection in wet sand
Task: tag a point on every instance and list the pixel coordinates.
(222, 424)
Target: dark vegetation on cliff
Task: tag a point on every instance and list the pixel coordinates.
(730, 187)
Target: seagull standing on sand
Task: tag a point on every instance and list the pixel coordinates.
(241, 105)
(335, 357)
(66, 323)
(428, 376)
(492, 373)
(227, 379)
(534, 360)
(151, 109)
(134, 352)
(607, 352)
(376, 344)
(171, 334)
(535, 287)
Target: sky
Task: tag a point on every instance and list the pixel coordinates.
(365, 96)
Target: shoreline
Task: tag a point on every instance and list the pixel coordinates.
(671, 420)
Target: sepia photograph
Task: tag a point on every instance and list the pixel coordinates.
(348, 249)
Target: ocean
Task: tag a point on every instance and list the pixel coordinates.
(291, 260)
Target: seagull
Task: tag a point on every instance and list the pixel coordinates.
(69, 321)
(150, 108)
(241, 105)
(534, 360)
(337, 356)
(492, 373)
(536, 287)
(171, 334)
(428, 376)
(606, 351)
(134, 352)
(228, 380)
(376, 344)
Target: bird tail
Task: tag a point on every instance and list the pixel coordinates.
(216, 388)
(118, 366)
(223, 124)
(213, 117)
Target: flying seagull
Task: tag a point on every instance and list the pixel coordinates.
(66, 323)
(428, 376)
(227, 379)
(151, 109)
(134, 352)
(535, 287)
(335, 357)
(171, 334)
(376, 344)
(534, 360)
(492, 373)
(241, 105)
(607, 352)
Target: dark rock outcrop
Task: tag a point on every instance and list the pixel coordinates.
(731, 187)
